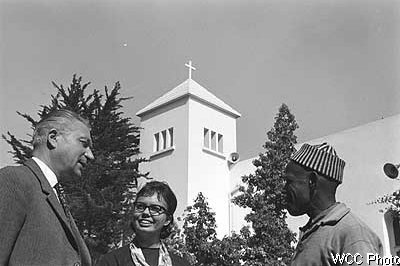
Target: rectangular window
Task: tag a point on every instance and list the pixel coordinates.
(171, 136)
(164, 139)
(156, 142)
(206, 142)
(220, 143)
(213, 141)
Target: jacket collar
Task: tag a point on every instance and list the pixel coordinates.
(44, 183)
(330, 216)
(52, 200)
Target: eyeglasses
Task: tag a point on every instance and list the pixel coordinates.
(153, 208)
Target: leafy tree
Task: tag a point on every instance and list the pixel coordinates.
(176, 244)
(100, 201)
(270, 242)
(231, 249)
(392, 202)
(201, 240)
(199, 229)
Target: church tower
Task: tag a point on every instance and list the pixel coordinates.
(189, 137)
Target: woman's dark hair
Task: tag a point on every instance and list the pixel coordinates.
(164, 192)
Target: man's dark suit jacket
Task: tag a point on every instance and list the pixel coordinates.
(34, 229)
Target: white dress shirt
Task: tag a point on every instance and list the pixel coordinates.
(48, 173)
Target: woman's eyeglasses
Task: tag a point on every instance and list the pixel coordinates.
(154, 209)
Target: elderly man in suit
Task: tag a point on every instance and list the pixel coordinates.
(36, 227)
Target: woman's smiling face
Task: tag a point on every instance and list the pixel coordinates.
(146, 222)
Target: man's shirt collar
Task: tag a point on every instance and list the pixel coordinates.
(48, 173)
(329, 216)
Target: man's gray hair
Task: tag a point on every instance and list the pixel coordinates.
(60, 119)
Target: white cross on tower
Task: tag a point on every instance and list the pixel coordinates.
(190, 68)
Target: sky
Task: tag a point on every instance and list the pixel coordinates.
(335, 63)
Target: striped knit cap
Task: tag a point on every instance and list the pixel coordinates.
(321, 158)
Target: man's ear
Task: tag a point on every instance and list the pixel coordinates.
(313, 179)
(52, 138)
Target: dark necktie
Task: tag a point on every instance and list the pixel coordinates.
(61, 196)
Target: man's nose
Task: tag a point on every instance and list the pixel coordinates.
(89, 154)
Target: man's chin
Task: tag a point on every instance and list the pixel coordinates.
(294, 212)
(77, 172)
(76, 176)
(72, 176)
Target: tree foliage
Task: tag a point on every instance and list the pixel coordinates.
(270, 241)
(100, 201)
(176, 244)
(201, 240)
(391, 202)
(200, 230)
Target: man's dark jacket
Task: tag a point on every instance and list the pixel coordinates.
(34, 229)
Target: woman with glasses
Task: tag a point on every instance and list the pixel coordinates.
(152, 221)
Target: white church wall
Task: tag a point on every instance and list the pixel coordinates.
(238, 214)
(366, 149)
(208, 170)
(170, 166)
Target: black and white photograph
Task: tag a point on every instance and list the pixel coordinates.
(199, 132)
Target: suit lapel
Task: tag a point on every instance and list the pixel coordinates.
(53, 201)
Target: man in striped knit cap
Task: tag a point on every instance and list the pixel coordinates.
(333, 235)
